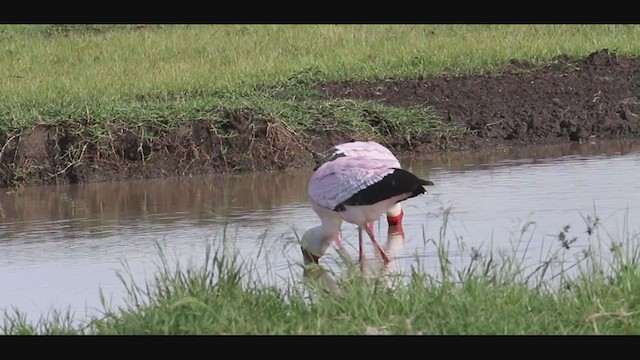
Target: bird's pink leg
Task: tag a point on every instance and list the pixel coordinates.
(338, 242)
(383, 253)
(361, 250)
(370, 226)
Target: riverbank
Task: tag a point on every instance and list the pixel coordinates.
(152, 107)
(566, 100)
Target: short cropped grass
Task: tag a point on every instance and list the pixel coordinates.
(172, 73)
(490, 295)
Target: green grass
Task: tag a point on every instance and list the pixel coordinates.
(100, 84)
(172, 73)
(492, 294)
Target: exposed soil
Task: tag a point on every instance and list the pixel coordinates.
(566, 100)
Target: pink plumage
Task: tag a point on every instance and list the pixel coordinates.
(353, 174)
(370, 149)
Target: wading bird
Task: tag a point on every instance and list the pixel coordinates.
(369, 149)
(358, 190)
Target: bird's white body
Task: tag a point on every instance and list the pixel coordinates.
(359, 214)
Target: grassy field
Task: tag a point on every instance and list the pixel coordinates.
(590, 293)
(169, 73)
(86, 103)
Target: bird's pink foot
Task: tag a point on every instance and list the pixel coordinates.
(395, 220)
(384, 255)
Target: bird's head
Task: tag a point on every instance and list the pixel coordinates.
(309, 257)
(314, 244)
(308, 241)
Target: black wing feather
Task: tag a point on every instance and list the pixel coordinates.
(399, 182)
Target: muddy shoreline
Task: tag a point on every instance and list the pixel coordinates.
(564, 101)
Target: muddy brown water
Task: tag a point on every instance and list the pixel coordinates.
(59, 246)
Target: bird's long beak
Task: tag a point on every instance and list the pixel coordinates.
(428, 183)
(309, 258)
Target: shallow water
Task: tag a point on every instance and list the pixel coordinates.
(60, 245)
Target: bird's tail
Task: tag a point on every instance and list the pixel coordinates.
(426, 182)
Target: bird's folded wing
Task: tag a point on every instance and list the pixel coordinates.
(368, 149)
(338, 180)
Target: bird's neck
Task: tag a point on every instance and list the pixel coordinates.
(319, 240)
(322, 236)
(330, 224)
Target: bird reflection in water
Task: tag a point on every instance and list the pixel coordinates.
(370, 267)
(393, 247)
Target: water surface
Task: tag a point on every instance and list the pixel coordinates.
(60, 245)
